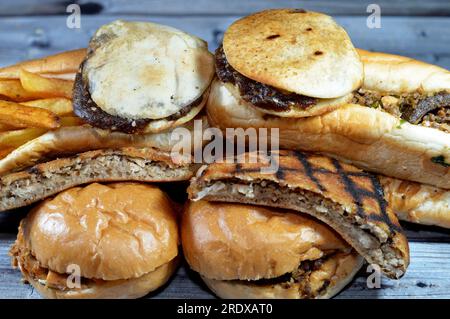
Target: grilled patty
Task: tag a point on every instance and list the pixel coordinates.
(85, 108)
(259, 94)
(431, 110)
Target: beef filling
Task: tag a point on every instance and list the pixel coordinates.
(259, 94)
(85, 108)
(301, 278)
(430, 110)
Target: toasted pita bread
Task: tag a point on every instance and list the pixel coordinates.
(295, 50)
(143, 70)
(342, 196)
(126, 164)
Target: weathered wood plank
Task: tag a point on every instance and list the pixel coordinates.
(229, 7)
(28, 37)
(427, 277)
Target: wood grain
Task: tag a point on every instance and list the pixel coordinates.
(30, 37)
(229, 7)
(427, 277)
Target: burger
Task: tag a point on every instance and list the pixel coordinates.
(99, 241)
(136, 84)
(247, 251)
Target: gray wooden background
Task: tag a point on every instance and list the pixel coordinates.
(415, 28)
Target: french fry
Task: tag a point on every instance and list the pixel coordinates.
(45, 87)
(5, 151)
(71, 121)
(13, 90)
(19, 115)
(6, 127)
(64, 62)
(59, 105)
(14, 139)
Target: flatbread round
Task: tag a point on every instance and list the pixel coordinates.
(142, 70)
(299, 51)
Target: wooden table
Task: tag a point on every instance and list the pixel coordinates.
(419, 29)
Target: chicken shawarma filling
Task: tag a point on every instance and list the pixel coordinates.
(259, 94)
(311, 278)
(430, 110)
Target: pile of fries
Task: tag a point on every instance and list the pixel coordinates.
(35, 98)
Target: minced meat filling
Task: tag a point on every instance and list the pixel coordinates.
(259, 94)
(430, 110)
(302, 277)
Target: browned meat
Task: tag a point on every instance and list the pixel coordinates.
(259, 94)
(416, 108)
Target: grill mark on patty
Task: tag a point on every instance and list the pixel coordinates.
(85, 108)
(259, 94)
(357, 193)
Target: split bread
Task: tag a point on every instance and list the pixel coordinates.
(247, 251)
(71, 140)
(125, 164)
(99, 241)
(342, 196)
(62, 65)
(418, 203)
(366, 137)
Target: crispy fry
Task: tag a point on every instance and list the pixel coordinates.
(45, 87)
(64, 62)
(5, 151)
(13, 90)
(19, 115)
(16, 138)
(71, 121)
(6, 127)
(60, 106)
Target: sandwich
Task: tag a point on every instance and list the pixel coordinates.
(347, 199)
(135, 84)
(289, 63)
(248, 251)
(396, 125)
(99, 241)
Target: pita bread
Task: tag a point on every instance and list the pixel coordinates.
(142, 70)
(299, 51)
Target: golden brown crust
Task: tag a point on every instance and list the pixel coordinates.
(355, 192)
(367, 137)
(418, 203)
(301, 59)
(396, 74)
(94, 225)
(226, 241)
(54, 65)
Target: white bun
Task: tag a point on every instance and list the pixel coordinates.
(418, 203)
(398, 74)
